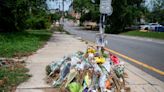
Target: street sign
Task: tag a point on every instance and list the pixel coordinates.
(105, 7)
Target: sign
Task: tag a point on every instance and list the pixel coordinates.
(105, 7)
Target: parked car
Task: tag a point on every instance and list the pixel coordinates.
(150, 26)
(144, 26)
(159, 29)
(90, 25)
(162, 23)
(133, 27)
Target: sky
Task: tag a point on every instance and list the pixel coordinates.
(148, 4)
(54, 4)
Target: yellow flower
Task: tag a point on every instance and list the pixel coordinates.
(91, 50)
(99, 60)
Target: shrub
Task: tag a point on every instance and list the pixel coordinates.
(70, 17)
(55, 17)
(37, 22)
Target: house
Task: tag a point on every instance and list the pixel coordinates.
(73, 13)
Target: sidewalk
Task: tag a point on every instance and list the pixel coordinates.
(58, 46)
(62, 44)
(140, 81)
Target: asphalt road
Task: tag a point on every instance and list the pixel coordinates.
(150, 52)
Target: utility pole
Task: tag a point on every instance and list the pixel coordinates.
(63, 12)
(59, 7)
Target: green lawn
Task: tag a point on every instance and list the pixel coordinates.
(12, 76)
(18, 44)
(22, 43)
(157, 35)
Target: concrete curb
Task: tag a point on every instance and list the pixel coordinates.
(138, 80)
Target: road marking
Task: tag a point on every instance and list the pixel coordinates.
(133, 60)
(137, 62)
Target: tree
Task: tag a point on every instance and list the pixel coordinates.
(38, 17)
(125, 13)
(157, 13)
(80, 5)
(14, 13)
(158, 5)
(37, 6)
(89, 11)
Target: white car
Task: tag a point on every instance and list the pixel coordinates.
(144, 26)
(150, 26)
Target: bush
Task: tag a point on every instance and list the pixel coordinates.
(59, 29)
(13, 14)
(107, 29)
(37, 23)
(70, 17)
(55, 17)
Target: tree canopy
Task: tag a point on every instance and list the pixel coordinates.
(125, 13)
(88, 10)
(14, 13)
(157, 13)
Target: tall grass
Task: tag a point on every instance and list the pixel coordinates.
(22, 43)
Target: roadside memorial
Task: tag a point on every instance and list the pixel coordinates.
(89, 71)
(94, 70)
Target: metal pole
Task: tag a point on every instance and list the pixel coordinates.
(103, 31)
(63, 12)
(100, 24)
(59, 6)
(101, 37)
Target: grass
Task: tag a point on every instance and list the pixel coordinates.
(18, 44)
(156, 35)
(12, 76)
(14, 44)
